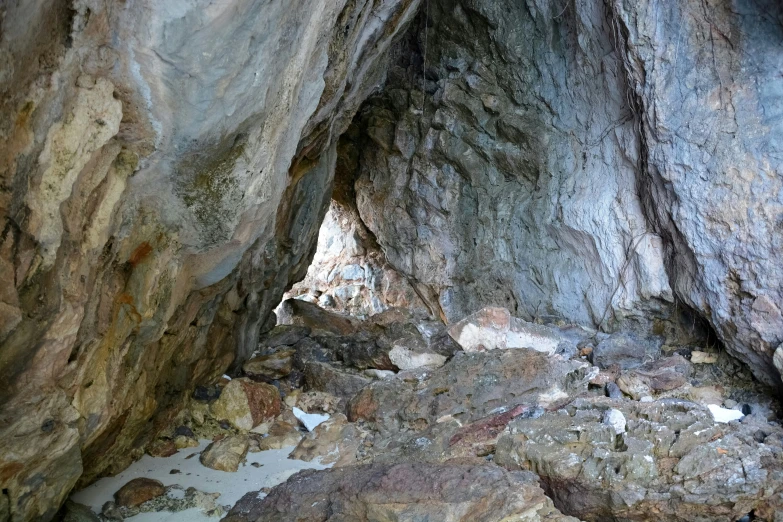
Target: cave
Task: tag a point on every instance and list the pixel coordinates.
(472, 260)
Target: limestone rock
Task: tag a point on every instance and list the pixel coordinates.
(447, 492)
(672, 460)
(225, 454)
(494, 328)
(469, 387)
(138, 491)
(406, 359)
(273, 366)
(246, 404)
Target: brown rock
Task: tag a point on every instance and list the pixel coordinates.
(162, 448)
(225, 454)
(301, 313)
(245, 404)
(273, 366)
(412, 491)
(281, 434)
(138, 491)
(663, 375)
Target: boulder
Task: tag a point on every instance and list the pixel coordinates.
(74, 512)
(626, 349)
(225, 454)
(332, 442)
(138, 491)
(605, 459)
(446, 493)
(284, 335)
(494, 328)
(273, 366)
(245, 404)
(334, 379)
(301, 313)
(281, 434)
(663, 375)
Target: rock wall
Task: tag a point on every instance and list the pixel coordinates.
(164, 167)
(603, 162)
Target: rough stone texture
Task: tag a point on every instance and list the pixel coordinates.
(671, 462)
(469, 387)
(225, 454)
(446, 492)
(273, 366)
(334, 441)
(707, 92)
(165, 167)
(512, 182)
(603, 162)
(246, 404)
(626, 350)
(138, 491)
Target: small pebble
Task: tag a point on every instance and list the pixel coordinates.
(728, 403)
(174, 472)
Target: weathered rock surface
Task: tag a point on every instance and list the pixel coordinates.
(273, 366)
(671, 461)
(460, 409)
(626, 349)
(447, 492)
(165, 168)
(245, 404)
(225, 454)
(548, 162)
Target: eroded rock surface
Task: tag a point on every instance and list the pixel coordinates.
(669, 459)
(446, 492)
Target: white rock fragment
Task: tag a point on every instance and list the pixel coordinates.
(379, 374)
(406, 359)
(616, 420)
(226, 377)
(723, 414)
(703, 357)
(494, 328)
(310, 420)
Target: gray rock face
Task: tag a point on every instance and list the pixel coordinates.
(594, 161)
(706, 89)
(512, 182)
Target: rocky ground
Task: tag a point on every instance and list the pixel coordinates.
(490, 419)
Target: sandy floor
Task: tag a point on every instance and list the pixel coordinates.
(275, 468)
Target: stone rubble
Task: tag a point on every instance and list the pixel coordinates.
(651, 433)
